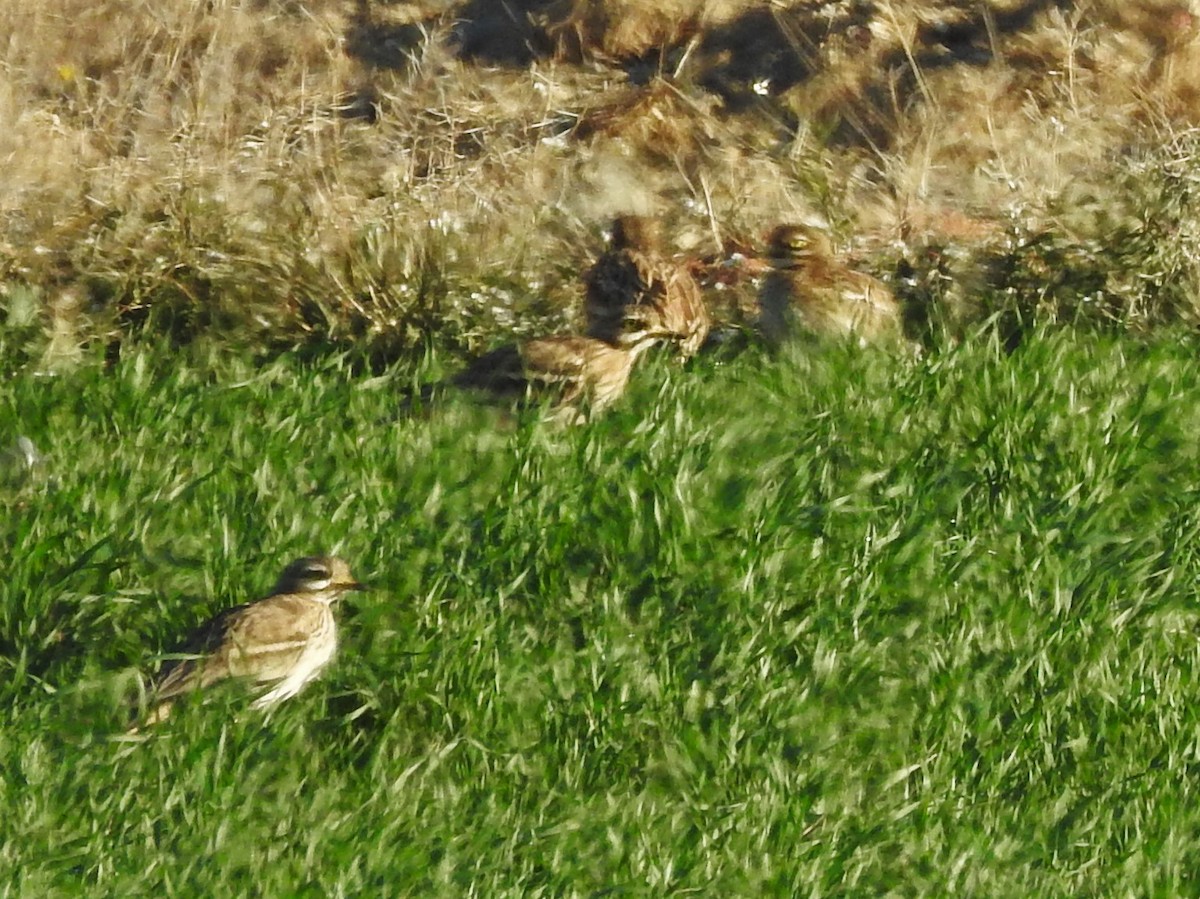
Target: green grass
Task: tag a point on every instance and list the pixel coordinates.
(830, 624)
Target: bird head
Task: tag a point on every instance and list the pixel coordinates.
(793, 244)
(318, 574)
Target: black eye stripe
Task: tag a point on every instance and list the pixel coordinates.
(315, 573)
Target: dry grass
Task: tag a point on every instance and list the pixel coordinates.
(441, 172)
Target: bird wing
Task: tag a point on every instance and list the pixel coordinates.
(179, 675)
(240, 642)
(267, 639)
(682, 307)
(556, 359)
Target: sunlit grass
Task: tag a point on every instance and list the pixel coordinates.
(830, 623)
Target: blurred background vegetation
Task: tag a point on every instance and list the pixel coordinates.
(400, 175)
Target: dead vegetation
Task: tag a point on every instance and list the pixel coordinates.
(441, 171)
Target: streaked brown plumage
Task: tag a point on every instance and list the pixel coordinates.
(283, 640)
(585, 374)
(632, 287)
(810, 288)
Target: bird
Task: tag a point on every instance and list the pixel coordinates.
(808, 285)
(633, 286)
(582, 374)
(282, 641)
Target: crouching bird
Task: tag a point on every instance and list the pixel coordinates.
(581, 375)
(633, 287)
(282, 641)
(810, 289)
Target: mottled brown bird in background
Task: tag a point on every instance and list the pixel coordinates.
(808, 287)
(284, 640)
(584, 374)
(633, 288)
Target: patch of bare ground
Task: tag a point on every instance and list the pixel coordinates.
(441, 171)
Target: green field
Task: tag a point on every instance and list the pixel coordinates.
(828, 624)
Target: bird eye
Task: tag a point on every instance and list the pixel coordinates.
(315, 572)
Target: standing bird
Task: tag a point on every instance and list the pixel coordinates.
(583, 374)
(284, 640)
(810, 286)
(633, 287)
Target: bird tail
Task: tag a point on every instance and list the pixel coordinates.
(145, 699)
